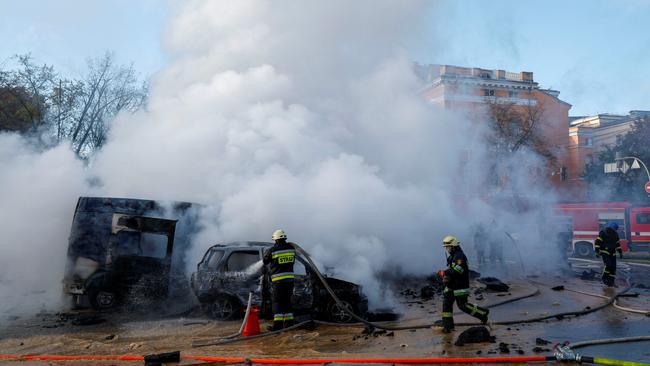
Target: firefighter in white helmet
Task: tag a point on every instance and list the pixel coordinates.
(280, 259)
(456, 281)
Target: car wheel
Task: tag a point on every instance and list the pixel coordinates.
(336, 312)
(102, 299)
(584, 250)
(222, 308)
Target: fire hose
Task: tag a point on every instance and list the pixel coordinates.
(377, 325)
(562, 353)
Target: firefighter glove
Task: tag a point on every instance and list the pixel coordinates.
(446, 280)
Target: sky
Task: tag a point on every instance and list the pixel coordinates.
(595, 52)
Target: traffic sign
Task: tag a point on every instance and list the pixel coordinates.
(647, 187)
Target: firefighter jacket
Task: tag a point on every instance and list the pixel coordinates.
(607, 242)
(457, 273)
(280, 258)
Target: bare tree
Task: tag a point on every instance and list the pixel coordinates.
(513, 127)
(34, 98)
(107, 90)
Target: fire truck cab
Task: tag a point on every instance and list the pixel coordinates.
(589, 218)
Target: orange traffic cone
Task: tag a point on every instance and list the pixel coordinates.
(252, 326)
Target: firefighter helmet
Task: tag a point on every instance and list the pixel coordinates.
(612, 225)
(450, 241)
(278, 234)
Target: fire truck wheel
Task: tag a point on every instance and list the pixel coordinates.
(584, 249)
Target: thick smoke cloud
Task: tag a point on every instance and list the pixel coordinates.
(38, 191)
(299, 115)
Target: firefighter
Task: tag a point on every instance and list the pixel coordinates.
(496, 249)
(280, 258)
(456, 281)
(479, 243)
(607, 244)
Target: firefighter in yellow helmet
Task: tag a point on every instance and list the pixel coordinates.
(456, 281)
(280, 258)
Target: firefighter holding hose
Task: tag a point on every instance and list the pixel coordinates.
(607, 244)
(280, 259)
(456, 281)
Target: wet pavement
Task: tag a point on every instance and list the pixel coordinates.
(139, 334)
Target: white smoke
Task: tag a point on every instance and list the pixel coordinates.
(38, 191)
(299, 115)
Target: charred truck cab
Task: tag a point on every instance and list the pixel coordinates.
(117, 249)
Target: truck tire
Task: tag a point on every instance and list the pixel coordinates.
(584, 249)
(102, 299)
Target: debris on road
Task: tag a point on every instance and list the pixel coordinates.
(503, 348)
(494, 284)
(590, 275)
(474, 335)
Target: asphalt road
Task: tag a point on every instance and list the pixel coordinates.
(146, 332)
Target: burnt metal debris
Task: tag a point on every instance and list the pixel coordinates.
(229, 272)
(474, 335)
(121, 249)
(494, 284)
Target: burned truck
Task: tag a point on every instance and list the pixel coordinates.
(121, 248)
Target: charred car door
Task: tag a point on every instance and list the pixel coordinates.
(303, 297)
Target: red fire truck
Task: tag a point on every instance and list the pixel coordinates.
(589, 218)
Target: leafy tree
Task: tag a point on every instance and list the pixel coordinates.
(18, 109)
(618, 186)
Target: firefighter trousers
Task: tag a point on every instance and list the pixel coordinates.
(461, 300)
(609, 271)
(281, 292)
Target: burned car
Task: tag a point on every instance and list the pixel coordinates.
(122, 248)
(229, 272)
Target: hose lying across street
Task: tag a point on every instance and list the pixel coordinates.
(562, 353)
(225, 340)
(303, 361)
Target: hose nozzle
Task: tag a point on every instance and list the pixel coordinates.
(565, 353)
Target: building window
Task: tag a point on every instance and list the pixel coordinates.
(589, 141)
(643, 218)
(488, 92)
(515, 128)
(486, 75)
(513, 94)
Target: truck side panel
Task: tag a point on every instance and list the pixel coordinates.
(640, 228)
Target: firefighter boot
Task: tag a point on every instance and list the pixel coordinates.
(484, 317)
(447, 324)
